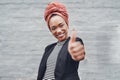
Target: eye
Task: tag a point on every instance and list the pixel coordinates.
(53, 28)
(61, 25)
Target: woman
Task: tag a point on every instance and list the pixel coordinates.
(61, 59)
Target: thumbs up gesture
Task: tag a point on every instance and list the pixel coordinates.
(75, 48)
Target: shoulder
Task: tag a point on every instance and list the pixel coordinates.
(50, 46)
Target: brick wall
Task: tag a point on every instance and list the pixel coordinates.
(24, 35)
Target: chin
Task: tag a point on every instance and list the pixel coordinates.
(61, 39)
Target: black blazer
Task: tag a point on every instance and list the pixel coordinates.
(66, 68)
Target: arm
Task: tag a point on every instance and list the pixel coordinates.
(76, 47)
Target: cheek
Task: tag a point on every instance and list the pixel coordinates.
(66, 30)
(53, 32)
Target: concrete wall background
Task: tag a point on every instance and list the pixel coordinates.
(24, 35)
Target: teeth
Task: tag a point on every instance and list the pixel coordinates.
(60, 35)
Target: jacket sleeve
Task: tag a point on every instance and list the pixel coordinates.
(41, 66)
(80, 40)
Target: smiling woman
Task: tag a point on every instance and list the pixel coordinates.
(60, 60)
(58, 27)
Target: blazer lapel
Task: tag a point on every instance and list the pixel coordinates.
(48, 52)
(61, 61)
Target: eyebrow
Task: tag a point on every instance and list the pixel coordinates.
(58, 24)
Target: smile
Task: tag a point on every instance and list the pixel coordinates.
(60, 35)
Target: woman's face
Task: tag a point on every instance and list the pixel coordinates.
(58, 28)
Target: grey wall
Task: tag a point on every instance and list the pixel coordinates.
(24, 35)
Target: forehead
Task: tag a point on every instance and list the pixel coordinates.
(56, 20)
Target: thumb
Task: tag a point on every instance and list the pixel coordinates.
(73, 36)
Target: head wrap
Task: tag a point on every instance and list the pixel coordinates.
(55, 8)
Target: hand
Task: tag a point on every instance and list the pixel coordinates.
(75, 48)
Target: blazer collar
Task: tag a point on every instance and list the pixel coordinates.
(61, 60)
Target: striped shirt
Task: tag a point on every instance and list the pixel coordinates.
(51, 62)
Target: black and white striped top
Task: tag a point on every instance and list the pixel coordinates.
(51, 62)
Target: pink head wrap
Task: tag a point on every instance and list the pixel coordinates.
(55, 8)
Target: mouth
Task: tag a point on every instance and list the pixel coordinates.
(60, 35)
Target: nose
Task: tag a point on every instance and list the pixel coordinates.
(59, 31)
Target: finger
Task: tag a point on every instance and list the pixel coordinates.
(78, 58)
(75, 49)
(75, 45)
(81, 57)
(78, 48)
(73, 36)
(78, 53)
